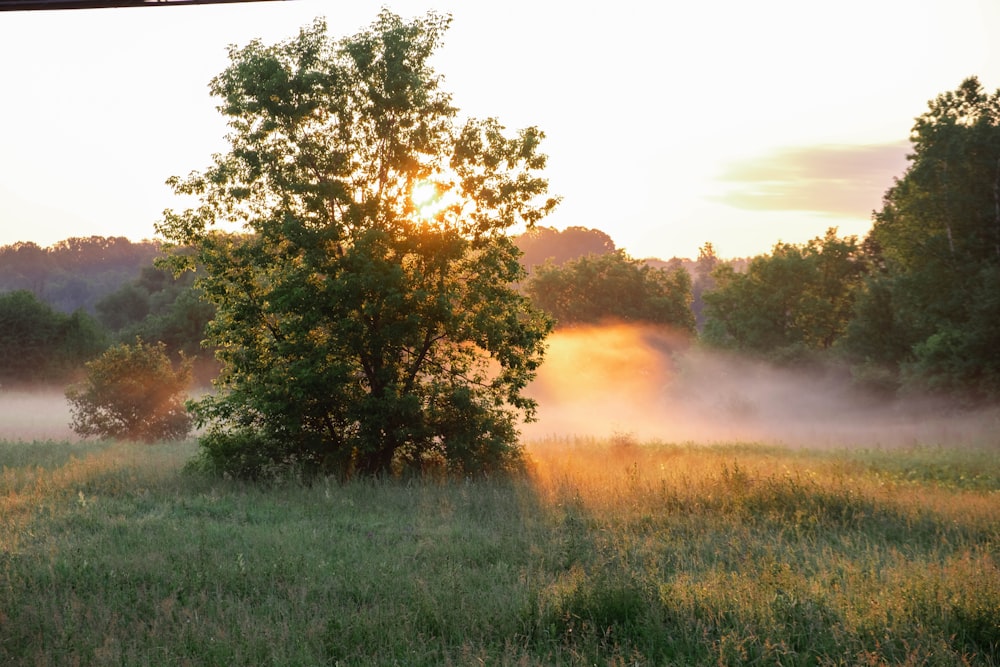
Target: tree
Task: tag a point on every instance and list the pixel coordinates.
(129, 305)
(543, 244)
(39, 344)
(29, 335)
(362, 326)
(159, 306)
(81, 338)
(703, 281)
(612, 286)
(935, 252)
(795, 301)
(132, 392)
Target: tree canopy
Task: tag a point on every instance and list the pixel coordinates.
(931, 306)
(612, 286)
(794, 301)
(362, 326)
(39, 344)
(159, 306)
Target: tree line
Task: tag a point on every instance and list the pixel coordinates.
(913, 306)
(576, 275)
(42, 345)
(75, 273)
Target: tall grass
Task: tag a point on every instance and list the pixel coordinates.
(604, 553)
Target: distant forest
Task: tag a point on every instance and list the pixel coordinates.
(76, 273)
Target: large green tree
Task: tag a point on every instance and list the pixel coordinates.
(365, 315)
(931, 306)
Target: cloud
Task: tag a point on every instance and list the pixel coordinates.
(834, 180)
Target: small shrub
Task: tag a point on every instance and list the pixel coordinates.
(132, 392)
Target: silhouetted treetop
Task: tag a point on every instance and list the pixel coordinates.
(543, 244)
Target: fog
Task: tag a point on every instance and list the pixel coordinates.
(602, 381)
(616, 380)
(34, 415)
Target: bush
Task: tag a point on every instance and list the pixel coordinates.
(246, 453)
(132, 392)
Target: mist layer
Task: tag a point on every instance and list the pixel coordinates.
(623, 379)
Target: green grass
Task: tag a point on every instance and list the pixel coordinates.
(606, 553)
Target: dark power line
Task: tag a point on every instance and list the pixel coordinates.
(34, 5)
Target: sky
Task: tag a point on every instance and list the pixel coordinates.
(668, 124)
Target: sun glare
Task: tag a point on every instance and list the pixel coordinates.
(430, 198)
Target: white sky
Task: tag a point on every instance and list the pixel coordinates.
(668, 124)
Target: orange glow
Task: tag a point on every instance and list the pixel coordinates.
(603, 381)
(621, 359)
(424, 194)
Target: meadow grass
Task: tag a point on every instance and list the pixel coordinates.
(604, 552)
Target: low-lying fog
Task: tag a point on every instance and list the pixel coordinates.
(34, 415)
(602, 381)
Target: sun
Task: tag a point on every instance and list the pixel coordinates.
(431, 197)
(424, 196)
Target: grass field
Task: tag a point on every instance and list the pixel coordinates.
(606, 553)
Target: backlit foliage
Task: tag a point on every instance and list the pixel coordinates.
(132, 392)
(358, 333)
